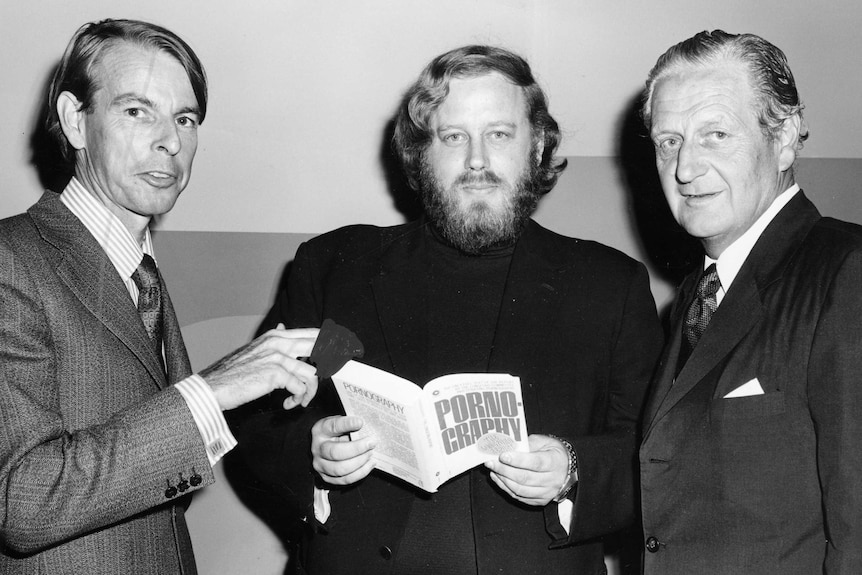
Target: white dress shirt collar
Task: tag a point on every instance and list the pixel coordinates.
(731, 259)
(122, 249)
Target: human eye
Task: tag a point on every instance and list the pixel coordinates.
(187, 122)
(667, 144)
(500, 135)
(454, 138)
(137, 114)
(716, 137)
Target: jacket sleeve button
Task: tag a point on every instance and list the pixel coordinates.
(385, 552)
(652, 544)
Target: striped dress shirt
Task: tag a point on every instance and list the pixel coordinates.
(126, 254)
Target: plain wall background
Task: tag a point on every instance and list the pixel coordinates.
(294, 141)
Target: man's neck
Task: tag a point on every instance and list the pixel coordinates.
(135, 223)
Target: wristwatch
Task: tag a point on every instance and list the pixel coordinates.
(572, 474)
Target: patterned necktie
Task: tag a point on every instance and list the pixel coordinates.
(146, 277)
(700, 311)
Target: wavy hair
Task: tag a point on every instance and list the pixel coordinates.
(412, 134)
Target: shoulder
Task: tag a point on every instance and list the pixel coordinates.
(845, 234)
(358, 239)
(831, 242)
(580, 253)
(18, 234)
(364, 233)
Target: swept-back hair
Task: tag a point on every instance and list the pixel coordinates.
(769, 74)
(412, 134)
(87, 48)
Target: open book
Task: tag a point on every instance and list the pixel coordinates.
(427, 436)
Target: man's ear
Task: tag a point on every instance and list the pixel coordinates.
(69, 110)
(540, 146)
(788, 142)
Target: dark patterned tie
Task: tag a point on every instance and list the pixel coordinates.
(146, 277)
(699, 312)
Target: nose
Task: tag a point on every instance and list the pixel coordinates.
(689, 163)
(168, 137)
(477, 155)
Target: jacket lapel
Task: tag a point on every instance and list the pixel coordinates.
(531, 300)
(741, 309)
(176, 357)
(400, 298)
(83, 266)
(531, 297)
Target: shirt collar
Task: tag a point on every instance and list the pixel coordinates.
(122, 249)
(731, 259)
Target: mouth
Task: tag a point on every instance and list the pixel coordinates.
(159, 179)
(480, 188)
(701, 197)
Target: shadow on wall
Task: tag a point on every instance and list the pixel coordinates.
(672, 252)
(405, 199)
(45, 157)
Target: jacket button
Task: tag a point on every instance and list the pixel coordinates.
(652, 545)
(195, 480)
(385, 552)
(171, 492)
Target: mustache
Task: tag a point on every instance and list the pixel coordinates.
(486, 177)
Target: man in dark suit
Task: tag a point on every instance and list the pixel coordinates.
(474, 285)
(751, 458)
(97, 445)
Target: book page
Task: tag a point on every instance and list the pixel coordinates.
(476, 416)
(390, 407)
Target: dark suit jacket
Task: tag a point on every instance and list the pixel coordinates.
(91, 434)
(579, 327)
(769, 483)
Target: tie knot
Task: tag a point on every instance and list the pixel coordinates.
(709, 283)
(147, 275)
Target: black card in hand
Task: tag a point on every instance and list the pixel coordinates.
(335, 346)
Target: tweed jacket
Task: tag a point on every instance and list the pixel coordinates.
(91, 431)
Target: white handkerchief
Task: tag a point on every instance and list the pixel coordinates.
(746, 390)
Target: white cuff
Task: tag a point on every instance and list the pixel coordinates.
(208, 416)
(564, 512)
(322, 509)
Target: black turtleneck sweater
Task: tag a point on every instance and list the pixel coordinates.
(463, 298)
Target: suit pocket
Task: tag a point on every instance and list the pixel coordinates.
(754, 406)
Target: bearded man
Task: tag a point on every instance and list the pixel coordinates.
(474, 285)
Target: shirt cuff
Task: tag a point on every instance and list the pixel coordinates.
(208, 416)
(564, 512)
(322, 508)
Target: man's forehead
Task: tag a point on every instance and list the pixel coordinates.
(485, 94)
(126, 67)
(691, 87)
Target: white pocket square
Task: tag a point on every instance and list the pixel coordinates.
(746, 389)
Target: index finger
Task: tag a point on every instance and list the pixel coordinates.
(294, 347)
(296, 333)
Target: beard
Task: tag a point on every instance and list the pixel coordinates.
(477, 227)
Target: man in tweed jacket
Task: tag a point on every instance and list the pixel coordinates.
(97, 445)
